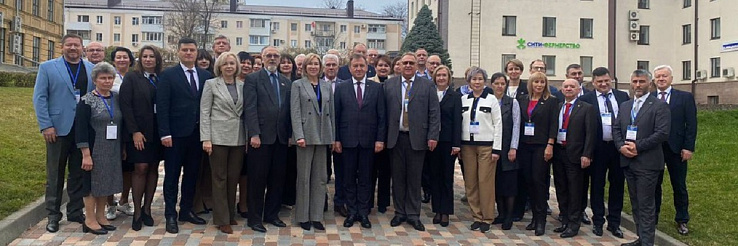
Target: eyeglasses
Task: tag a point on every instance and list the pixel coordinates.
(271, 56)
(435, 63)
(408, 63)
(539, 68)
(94, 50)
(373, 55)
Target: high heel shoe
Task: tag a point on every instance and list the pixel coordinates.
(146, 218)
(137, 223)
(444, 223)
(108, 227)
(100, 231)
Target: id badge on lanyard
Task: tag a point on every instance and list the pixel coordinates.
(111, 132)
(77, 94)
(632, 133)
(606, 119)
(561, 137)
(474, 127)
(530, 128)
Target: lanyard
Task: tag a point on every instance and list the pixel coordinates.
(119, 75)
(75, 76)
(108, 107)
(633, 112)
(475, 105)
(409, 90)
(607, 100)
(151, 81)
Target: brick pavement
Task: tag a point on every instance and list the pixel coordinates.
(457, 233)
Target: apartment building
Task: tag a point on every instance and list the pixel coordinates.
(250, 28)
(30, 31)
(621, 35)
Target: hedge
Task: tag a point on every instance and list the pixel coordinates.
(10, 79)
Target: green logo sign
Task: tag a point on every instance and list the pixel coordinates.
(521, 43)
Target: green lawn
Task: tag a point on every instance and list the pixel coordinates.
(22, 151)
(712, 182)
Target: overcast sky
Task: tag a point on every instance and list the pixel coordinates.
(370, 5)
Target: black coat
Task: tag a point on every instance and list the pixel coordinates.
(177, 109)
(450, 107)
(544, 117)
(137, 98)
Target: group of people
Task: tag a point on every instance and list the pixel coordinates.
(249, 133)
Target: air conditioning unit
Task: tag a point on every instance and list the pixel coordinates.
(634, 36)
(701, 74)
(274, 31)
(17, 24)
(634, 26)
(281, 41)
(17, 40)
(363, 26)
(134, 44)
(633, 15)
(729, 72)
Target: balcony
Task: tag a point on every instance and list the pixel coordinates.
(376, 35)
(323, 33)
(152, 28)
(79, 26)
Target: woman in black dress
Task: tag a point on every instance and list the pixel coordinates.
(137, 101)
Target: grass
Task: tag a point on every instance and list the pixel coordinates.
(711, 182)
(22, 151)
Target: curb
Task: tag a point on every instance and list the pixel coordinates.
(15, 224)
(660, 239)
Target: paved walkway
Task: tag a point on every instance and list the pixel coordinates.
(457, 233)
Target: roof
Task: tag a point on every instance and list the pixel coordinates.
(160, 5)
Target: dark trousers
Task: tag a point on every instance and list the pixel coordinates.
(339, 198)
(531, 157)
(568, 179)
(183, 158)
(266, 170)
(425, 181)
(289, 193)
(381, 179)
(642, 191)
(441, 167)
(357, 172)
(678, 176)
(407, 169)
(60, 155)
(524, 176)
(606, 168)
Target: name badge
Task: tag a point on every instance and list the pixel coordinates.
(631, 133)
(529, 129)
(474, 127)
(154, 108)
(606, 119)
(405, 103)
(111, 133)
(561, 137)
(77, 95)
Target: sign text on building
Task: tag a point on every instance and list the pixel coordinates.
(522, 44)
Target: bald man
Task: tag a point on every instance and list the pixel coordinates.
(433, 62)
(95, 52)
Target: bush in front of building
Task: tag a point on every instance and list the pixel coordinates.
(10, 79)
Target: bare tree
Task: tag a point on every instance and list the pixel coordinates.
(194, 19)
(334, 4)
(397, 10)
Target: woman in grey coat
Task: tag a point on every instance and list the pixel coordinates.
(312, 128)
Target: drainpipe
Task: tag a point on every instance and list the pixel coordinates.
(696, 46)
(611, 39)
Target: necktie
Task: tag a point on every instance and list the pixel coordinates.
(565, 125)
(608, 103)
(193, 82)
(275, 84)
(405, 122)
(636, 108)
(663, 96)
(359, 96)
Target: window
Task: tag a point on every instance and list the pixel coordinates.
(325, 42)
(293, 43)
(19, 3)
(375, 44)
(239, 41)
(506, 58)
(343, 28)
(549, 26)
(715, 67)
(644, 4)
(715, 28)
(342, 45)
(239, 24)
(308, 27)
(357, 29)
(642, 65)
(508, 25)
(275, 26)
(585, 28)
(687, 4)
(19, 57)
(151, 20)
(50, 14)
(84, 34)
(377, 28)
(223, 24)
(713, 100)
(645, 31)
(586, 62)
(2, 46)
(50, 56)
(276, 43)
(98, 36)
(686, 70)
(99, 19)
(308, 44)
(36, 50)
(293, 27)
(83, 18)
(687, 34)
(258, 23)
(153, 36)
(550, 65)
(258, 40)
(34, 11)
(116, 20)
(134, 21)
(116, 37)
(134, 38)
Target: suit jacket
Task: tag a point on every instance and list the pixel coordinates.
(137, 98)
(423, 115)
(221, 121)
(309, 121)
(263, 115)
(544, 117)
(654, 123)
(360, 127)
(450, 108)
(591, 98)
(683, 121)
(177, 109)
(581, 133)
(53, 95)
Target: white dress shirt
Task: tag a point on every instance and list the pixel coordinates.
(668, 94)
(187, 75)
(363, 86)
(607, 128)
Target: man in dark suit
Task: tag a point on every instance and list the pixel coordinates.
(178, 115)
(413, 120)
(360, 132)
(574, 71)
(678, 150)
(640, 129)
(330, 74)
(606, 162)
(344, 73)
(573, 153)
(267, 119)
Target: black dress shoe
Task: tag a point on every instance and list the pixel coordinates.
(79, 219)
(258, 227)
(437, 219)
(306, 225)
(243, 214)
(147, 219)
(597, 230)
(137, 223)
(52, 226)
(444, 223)
(341, 210)
(507, 225)
(277, 223)
(483, 227)
(108, 227)
(561, 228)
(100, 231)
(172, 226)
(397, 220)
(426, 197)
(382, 209)
(637, 242)
(475, 226)
(585, 219)
(540, 228)
(365, 222)
(416, 224)
(517, 219)
(318, 226)
(682, 228)
(349, 221)
(616, 231)
(531, 226)
(498, 220)
(192, 218)
(569, 233)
